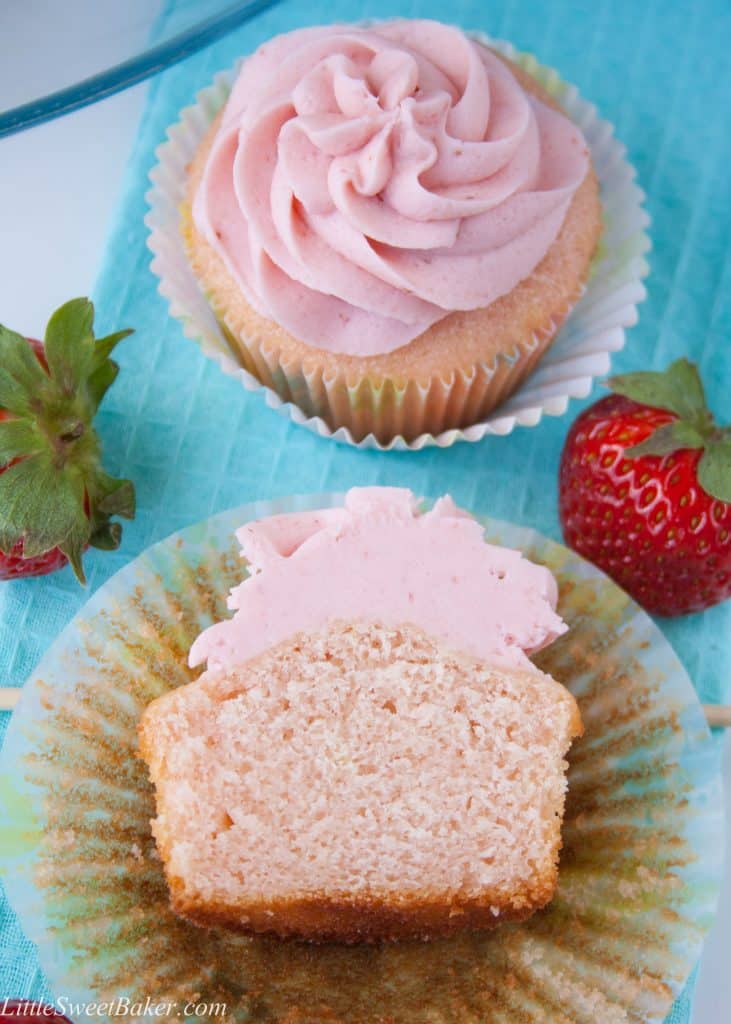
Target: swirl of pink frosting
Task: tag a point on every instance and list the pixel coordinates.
(366, 182)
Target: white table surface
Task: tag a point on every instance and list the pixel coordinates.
(59, 185)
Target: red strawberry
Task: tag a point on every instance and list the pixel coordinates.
(55, 498)
(645, 491)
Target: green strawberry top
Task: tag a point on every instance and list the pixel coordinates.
(679, 390)
(54, 492)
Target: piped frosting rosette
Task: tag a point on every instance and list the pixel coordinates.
(365, 183)
(367, 195)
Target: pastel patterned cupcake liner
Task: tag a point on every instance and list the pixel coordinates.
(538, 378)
(640, 867)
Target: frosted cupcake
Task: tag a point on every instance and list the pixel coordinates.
(390, 224)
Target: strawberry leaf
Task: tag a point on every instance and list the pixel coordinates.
(99, 383)
(104, 347)
(18, 438)
(667, 439)
(678, 389)
(107, 537)
(22, 378)
(714, 469)
(41, 506)
(13, 396)
(69, 344)
(114, 497)
(108, 497)
(73, 547)
(103, 370)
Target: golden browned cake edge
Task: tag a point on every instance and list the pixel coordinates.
(327, 919)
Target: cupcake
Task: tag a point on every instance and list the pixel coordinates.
(390, 224)
(370, 754)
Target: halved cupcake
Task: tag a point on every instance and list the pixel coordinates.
(371, 753)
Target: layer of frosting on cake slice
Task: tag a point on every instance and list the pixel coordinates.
(381, 557)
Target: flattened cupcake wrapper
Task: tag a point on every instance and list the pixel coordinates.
(642, 853)
(517, 390)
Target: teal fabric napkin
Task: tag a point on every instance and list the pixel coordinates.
(195, 442)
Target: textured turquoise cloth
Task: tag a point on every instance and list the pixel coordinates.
(194, 442)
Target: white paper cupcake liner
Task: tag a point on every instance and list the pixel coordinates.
(582, 349)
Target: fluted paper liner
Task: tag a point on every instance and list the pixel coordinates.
(518, 387)
(640, 866)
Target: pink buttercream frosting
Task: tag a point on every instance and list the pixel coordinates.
(380, 559)
(366, 182)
